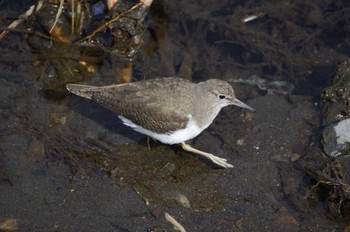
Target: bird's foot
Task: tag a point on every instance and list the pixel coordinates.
(215, 159)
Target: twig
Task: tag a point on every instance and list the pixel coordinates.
(176, 224)
(100, 28)
(21, 18)
(139, 194)
(73, 17)
(59, 12)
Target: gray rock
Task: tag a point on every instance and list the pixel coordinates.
(336, 138)
(336, 113)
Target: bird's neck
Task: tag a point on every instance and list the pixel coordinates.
(208, 116)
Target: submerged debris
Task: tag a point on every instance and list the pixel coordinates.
(71, 36)
(333, 177)
(336, 113)
(271, 87)
(333, 183)
(336, 98)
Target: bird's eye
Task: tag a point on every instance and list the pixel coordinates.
(221, 96)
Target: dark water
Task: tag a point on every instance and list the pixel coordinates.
(67, 164)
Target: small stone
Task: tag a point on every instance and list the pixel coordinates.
(239, 223)
(240, 142)
(294, 157)
(286, 220)
(249, 116)
(182, 200)
(54, 117)
(63, 120)
(9, 224)
(36, 150)
(57, 119)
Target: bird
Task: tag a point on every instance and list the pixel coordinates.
(171, 110)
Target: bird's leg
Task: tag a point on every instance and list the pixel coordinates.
(217, 160)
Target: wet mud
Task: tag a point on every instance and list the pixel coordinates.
(67, 164)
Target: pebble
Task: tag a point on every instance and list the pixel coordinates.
(36, 150)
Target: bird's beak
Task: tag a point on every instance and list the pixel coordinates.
(237, 102)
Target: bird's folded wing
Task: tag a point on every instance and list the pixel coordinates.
(153, 111)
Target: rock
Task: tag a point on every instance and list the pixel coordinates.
(336, 112)
(336, 98)
(286, 220)
(36, 150)
(336, 138)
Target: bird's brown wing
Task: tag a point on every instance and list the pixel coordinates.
(152, 106)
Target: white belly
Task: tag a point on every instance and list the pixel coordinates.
(189, 132)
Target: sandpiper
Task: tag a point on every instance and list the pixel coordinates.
(171, 110)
